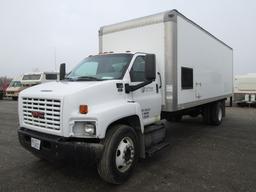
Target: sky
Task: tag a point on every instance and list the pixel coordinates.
(38, 35)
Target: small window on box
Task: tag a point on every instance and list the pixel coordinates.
(186, 78)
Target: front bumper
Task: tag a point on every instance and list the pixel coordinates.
(60, 148)
(12, 94)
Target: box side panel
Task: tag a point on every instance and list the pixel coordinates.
(146, 39)
(211, 61)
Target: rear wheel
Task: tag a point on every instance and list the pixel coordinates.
(120, 154)
(213, 113)
(216, 113)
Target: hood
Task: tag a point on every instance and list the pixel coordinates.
(58, 89)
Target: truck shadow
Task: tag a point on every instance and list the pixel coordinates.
(178, 133)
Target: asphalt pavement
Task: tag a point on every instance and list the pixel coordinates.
(199, 158)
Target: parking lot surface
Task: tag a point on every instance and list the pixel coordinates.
(199, 158)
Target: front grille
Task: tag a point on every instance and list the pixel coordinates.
(48, 108)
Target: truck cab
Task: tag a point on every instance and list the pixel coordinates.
(104, 86)
(103, 92)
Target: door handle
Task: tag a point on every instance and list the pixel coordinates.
(160, 78)
(157, 88)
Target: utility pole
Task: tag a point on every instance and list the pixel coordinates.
(55, 62)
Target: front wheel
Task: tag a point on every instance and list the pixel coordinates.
(120, 154)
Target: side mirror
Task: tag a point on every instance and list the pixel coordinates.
(62, 71)
(150, 67)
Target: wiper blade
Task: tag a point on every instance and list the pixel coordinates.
(87, 78)
(69, 78)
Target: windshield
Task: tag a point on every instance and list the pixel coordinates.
(32, 77)
(15, 84)
(101, 67)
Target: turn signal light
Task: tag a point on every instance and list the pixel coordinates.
(83, 109)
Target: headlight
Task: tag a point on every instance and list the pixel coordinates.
(84, 128)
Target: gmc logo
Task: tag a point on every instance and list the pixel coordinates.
(37, 114)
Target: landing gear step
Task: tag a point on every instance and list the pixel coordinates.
(152, 150)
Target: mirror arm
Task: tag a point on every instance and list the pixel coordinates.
(131, 88)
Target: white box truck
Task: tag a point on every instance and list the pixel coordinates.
(27, 80)
(245, 89)
(110, 106)
(35, 78)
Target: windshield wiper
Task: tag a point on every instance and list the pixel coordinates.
(69, 79)
(87, 78)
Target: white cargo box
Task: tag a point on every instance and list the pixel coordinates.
(245, 83)
(195, 66)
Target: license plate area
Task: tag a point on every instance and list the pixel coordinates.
(35, 143)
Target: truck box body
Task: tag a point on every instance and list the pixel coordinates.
(181, 48)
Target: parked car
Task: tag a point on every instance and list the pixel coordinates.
(4, 82)
(14, 88)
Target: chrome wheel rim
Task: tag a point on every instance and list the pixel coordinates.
(124, 154)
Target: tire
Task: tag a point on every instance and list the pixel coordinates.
(120, 147)
(217, 113)
(213, 113)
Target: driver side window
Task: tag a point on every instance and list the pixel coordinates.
(137, 72)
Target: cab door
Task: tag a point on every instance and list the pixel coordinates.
(148, 97)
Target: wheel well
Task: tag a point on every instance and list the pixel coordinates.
(133, 121)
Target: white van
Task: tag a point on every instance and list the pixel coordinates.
(28, 80)
(35, 78)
